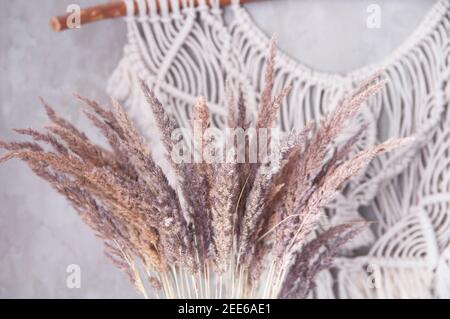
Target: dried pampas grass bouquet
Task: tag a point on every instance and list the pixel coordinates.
(236, 228)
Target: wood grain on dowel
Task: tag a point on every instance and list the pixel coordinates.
(110, 10)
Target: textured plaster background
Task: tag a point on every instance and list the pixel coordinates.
(40, 235)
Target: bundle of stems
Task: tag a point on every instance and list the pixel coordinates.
(221, 230)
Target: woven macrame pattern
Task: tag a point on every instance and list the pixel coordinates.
(406, 253)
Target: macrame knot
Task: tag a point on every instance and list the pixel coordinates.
(142, 6)
(131, 10)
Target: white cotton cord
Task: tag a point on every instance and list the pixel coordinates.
(142, 10)
(235, 3)
(202, 6)
(188, 4)
(160, 29)
(175, 5)
(153, 55)
(164, 10)
(406, 193)
(153, 13)
(215, 8)
(129, 4)
(142, 6)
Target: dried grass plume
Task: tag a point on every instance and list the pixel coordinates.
(232, 230)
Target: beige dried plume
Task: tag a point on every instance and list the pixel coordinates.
(232, 230)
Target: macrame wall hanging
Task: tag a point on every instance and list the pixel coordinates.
(192, 51)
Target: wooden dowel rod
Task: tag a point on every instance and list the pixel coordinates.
(109, 11)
